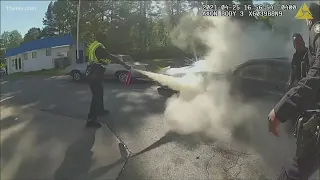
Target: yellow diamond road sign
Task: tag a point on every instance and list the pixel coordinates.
(304, 12)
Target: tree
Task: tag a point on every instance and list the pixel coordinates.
(142, 28)
(11, 39)
(32, 34)
(50, 26)
(8, 40)
(65, 16)
(2, 52)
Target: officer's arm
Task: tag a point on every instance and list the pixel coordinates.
(102, 53)
(298, 98)
(118, 61)
(292, 73)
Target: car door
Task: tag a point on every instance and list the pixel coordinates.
(277, 77)
(250, 80)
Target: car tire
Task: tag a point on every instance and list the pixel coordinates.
(76, 75)
(122, 76)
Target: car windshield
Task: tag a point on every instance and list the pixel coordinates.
(127, 59)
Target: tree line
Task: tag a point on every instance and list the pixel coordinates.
(140, 28)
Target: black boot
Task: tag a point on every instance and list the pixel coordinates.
(93, 123)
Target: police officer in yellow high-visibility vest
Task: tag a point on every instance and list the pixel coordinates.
(98, 57)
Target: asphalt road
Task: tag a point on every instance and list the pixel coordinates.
(136, 120)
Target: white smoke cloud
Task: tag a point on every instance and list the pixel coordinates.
(205, 106)
(230, 44)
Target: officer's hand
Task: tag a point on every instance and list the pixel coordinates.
(274, 123)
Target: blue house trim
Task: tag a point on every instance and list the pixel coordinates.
(41, 44)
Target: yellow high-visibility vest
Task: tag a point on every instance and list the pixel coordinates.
(92, 50)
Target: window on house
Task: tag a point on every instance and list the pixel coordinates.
(25, 56)
(48, 52)
(34, 54)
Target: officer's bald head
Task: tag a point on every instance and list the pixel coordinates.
(298, 42)
(297, 37)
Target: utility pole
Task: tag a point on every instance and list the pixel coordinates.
(78, 22)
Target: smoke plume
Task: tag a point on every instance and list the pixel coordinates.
(211, 109)
(204, 105)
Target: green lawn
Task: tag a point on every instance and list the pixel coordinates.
(47, 72)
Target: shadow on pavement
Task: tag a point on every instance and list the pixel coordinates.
(31, 146)
(78, 157)
(96, 173)
(130, 107)
(188, 141)
(71, 100)
(100, 171)
(129, 104)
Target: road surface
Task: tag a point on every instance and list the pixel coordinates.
(43, 137)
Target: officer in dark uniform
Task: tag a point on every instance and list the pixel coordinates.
(95, 73)
(300, 61)
(300, 98)
(95, 77)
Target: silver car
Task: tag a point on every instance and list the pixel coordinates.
(113, 70)
(2, 72)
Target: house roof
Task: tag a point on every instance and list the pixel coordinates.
(41, 44)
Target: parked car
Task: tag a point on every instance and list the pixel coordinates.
(113, 70)
(2, 72)
(253, 78)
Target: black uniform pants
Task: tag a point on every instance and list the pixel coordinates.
(96, 106)
(300, 169)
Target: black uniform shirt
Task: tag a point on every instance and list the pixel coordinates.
(97, 72)
(299, 65)
(305, 94)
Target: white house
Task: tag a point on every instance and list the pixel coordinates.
(41, 54)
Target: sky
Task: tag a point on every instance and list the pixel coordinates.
(23, 15)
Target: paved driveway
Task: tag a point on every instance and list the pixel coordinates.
(58, 108)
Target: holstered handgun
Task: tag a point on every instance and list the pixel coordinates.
(307, 132)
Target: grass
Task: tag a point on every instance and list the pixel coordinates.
(44, 72)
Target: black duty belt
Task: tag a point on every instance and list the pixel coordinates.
(307, 132)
